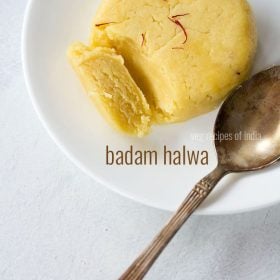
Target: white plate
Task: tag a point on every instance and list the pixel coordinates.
(50, 26)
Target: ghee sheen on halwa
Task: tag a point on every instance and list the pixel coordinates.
(164, 61)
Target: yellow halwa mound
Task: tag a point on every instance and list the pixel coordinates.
(172, 60)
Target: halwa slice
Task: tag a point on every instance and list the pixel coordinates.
(112, 89)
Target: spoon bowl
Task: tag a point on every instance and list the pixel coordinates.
(247, 129)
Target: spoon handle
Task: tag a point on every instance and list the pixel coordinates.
(202, 189)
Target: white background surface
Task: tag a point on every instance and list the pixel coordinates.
(56, 223)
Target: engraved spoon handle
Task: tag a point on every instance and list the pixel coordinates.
(202, 189)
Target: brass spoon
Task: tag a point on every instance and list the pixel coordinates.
(247, 138)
